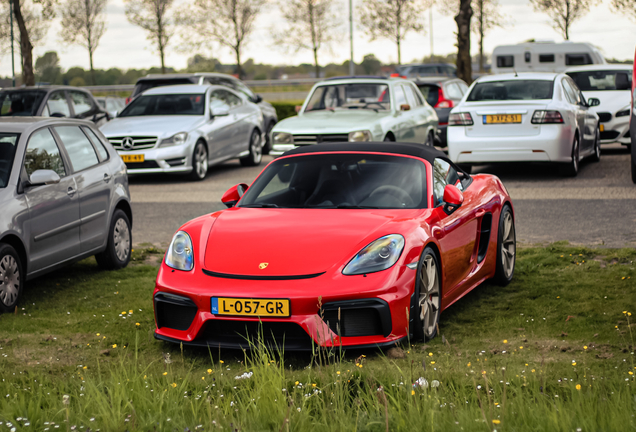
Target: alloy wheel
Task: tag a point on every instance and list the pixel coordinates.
(508, 245)
(429, 301)
(575, 155)
(9, 280)
(257, 149)
(121, 239)
(201, 161)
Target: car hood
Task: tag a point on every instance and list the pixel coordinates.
(339, 121)
(293, 241)
(611, 101)
(161, 126)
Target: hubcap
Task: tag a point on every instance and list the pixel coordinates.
(121, 237)
(201, 161)
(575, 155)
(257, 150)
(9, 280)
(508, 245)
(429, 296)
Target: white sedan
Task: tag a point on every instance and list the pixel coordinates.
(611, 85)
(526, 117)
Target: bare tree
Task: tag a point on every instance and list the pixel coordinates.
(83, 24)
(487, 17)
(155, 17)
(627, 6)
(311, 24)
(392, 19)
(562, 13)
(464, 63)
(229, 22)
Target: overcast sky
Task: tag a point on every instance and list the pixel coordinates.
(125, 46)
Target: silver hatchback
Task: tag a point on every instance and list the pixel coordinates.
(63, 197)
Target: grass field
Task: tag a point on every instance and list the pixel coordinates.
(553, 351)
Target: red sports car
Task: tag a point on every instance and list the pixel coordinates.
(348, 244)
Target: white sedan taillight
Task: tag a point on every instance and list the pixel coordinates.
(544, 117)
(460, 119)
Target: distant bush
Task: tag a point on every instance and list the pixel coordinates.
(285, 109)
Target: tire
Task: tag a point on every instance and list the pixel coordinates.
(256, 151)
(268, 139)
(119, 245)
(465, 167)
(11, 278)
(428, 305)
(506, 247)
(596, 156)
(633, 171)
(430, 140)
(199, 162)
(571, 169)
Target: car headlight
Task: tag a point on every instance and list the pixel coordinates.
(282, 138)
(363, 135)
(376, 256)
(623, 113)
(176, 139)
(180, 255)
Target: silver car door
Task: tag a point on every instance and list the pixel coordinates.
(54, 215)
(578, 109)
(220, 135)
(94, 185)
(403, 131)
(242, 111)
(418, 112)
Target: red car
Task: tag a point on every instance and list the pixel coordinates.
(351, 244)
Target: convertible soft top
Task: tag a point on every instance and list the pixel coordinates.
(408, 149)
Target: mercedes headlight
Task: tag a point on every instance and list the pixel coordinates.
(176, 139)
(180, 255)
(282, 138)
(376, 256)
(363, 135)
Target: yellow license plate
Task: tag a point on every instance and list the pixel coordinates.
(502, 118)
(250, 307)
(133, 157)
(602, 127)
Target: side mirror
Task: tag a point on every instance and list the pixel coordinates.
(43, 177)
(592, 102)
(234, 194)
(405, 107)
(258, 98)
(58, 114)
(297, 108)
(453, 198)
(219, 112)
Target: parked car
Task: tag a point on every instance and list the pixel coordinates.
(414, 71)
(336, 245)
(611, 85)
(544, 56)
(358, 109)
(185, 128)
(442, 93)
(64, 197)
(157, 80)
(113, 105)
(526, 117)
(51, 101)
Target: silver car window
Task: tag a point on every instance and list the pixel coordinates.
(42, 153)
(103, 153)
(57, 105)
(571, 94)
(79, 148)
(220, 98)
(8, 145)
(453, 91)
(411, 97)
(81, 102)
(400, 98)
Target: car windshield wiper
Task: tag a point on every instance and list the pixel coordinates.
(264, 205)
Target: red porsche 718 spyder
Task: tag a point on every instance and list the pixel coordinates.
(348, 244)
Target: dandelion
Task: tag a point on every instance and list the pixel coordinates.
(130, 311)
(495, 421)
(313, 385)
(584, 347)
(209, 371)
(573, 363)
(174, 385)
(337, 372)
(97, 334)
(85, 367)
(505, 341)
(631, 373)
(432, 362)
(412, 392)
(533, 371)
(520, 347)
(123, 313)
(296, 383)
(468, 364)
(165, 373)
(203, 378)
(421, 381)
(578, 386)
(558, 296)
(221, 361)
(137, 324)
(430, 354)
(434, 383)
(114, 345)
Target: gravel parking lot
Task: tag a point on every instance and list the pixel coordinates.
(596, 208)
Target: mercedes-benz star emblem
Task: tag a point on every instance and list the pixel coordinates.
(128, 143)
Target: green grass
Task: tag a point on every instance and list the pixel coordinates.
(511, 359)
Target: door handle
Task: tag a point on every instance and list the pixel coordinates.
(71, 192)
(107, 177)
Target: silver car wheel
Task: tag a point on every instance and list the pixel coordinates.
(508, 245)
(121, 239)
(575, 155)
(201, 161)
(429, 301)
(9, 280)
(257, 148)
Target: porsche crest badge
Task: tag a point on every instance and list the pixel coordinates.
(263, 266)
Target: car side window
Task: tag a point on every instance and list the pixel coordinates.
(400, 98)
(42, 153)
(219, 100)
(463, 88)
(79, 149)
(245, 90)
(99, 144)
(82, 102)
(569, 92)
(57, 106)
(453, 91)
(410, 96)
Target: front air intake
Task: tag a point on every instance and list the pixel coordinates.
(368, 317)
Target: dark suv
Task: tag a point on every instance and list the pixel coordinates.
(51, 101)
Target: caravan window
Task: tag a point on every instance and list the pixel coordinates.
(528, 56)
(578, 59)
(507, 61)
(546, 58)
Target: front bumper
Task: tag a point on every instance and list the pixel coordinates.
(552, 144)
(327, 310)
(616, 130)
(173, 159)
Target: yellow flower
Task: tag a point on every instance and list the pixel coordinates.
(97, 334)
(430, 354)
(165, 373)
(629, 314)
(130, 311)
(631, 373)
(123, 313)
(209, 371)
(558, 296)
(468, 364)
(561, 256)
(174, 385)
(533, 371)
(145, 376)
(337, 372)
(623, 278)
(578, 386)
(624, 312)
(505, 340)
(221, 361)
(114, 345)
(313, 385)
(573, 363)
(432, 362)
(296, 383)
(203, 378)
(412, 392)
(360, 365)
(520, 347)
(137, 324)
(496, 421)
(85, 367)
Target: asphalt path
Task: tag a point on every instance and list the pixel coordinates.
(598, 207)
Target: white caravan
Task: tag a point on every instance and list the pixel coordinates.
(544, 57)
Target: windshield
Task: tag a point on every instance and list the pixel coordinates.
(20, 102)
(603, 80)
(511, 90)
(8, 144)
(147, 84)
(340, 181)
(350, 96)
(169, 104)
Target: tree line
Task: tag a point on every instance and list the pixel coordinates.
(305, 25)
